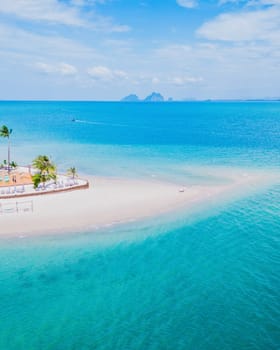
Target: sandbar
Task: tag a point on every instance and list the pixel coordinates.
(110, 201)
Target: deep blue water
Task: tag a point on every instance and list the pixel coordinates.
(210, 281)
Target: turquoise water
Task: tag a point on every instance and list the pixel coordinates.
(205, 281)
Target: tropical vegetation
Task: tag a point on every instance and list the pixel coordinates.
(6, 133)
(72, 172)
(13, 165)
(46, 171)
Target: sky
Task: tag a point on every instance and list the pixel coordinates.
(107, 49)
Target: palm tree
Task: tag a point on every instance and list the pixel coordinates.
(6, 133)
(72, 172)
(13, 165)
(46, 168)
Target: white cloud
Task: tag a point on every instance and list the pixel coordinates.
(48, 10)
(251, 3)
(106, 25)
(44, 67)
(67, 69)
(176, 79)
(155, 80)
(244, 26)
(241, 58)
(60, 68)
(184, 80)
(106, 74)
(270, 2)
(187, 3)
(120, 74)
(243, 69)
(38, 47)
(87, 2)
(58, 12)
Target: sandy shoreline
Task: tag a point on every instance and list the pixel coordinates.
(110, 201)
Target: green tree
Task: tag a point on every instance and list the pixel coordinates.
(13, 165)
(46, 170)
(72, 172)
(6, 133)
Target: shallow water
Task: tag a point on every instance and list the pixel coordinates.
(205, 281)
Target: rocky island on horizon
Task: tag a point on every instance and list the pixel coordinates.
(153, 97)
(131, 98)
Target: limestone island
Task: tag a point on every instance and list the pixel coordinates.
(153, 97)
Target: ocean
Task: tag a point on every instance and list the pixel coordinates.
(205, 280)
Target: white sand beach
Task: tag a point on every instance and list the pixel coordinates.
(111, 201)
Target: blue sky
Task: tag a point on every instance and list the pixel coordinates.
(106, 49)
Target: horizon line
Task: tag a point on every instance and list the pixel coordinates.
(276, 99)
